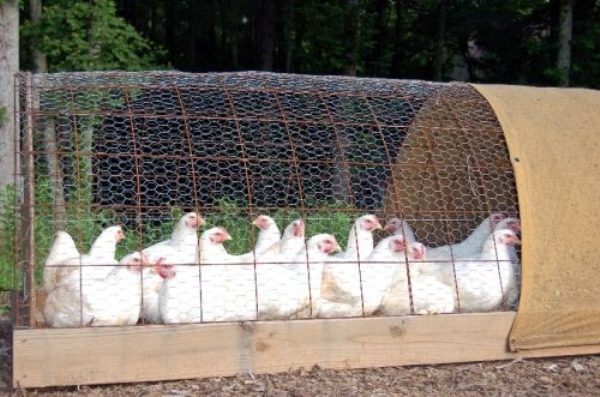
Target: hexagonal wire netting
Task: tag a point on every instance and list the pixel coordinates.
(142, 149)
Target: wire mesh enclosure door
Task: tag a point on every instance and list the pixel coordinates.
(140, 150)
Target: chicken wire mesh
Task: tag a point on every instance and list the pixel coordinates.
(219, 151)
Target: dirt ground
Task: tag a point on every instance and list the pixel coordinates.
(574, 376)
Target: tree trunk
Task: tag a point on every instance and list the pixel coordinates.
(9, 64)
(265, 33)
(169, 40)
(290, 35)
(565, 33)
(396, 70)
(55, 173)
(40, 64)
(440, 45)
(379, 38)
(232, 18)
(350, 35)
(235, 52)
(194, 34)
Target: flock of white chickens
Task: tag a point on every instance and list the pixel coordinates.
(283, 277)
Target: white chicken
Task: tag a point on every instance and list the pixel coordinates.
(268, 236)
(290, 244)
(105, 246)
(440, 266)
(399, 226)
(63, 250)
(179, 299)
(489, 283)
(429, 296)
(292, 241)
(283, 288)
(472, 245)
(228, 287)
(89, 301)
(286, 249)
(98, 262)
(180, 249)
(360, 238)
(513, 224)
(311, 262)
(267, 242)
(341, 290)
(379, 268)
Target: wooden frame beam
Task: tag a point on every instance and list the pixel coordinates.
(58, 357)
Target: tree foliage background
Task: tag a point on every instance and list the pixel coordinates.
(508, 41)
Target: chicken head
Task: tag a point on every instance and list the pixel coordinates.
(134, 261)
(218, 235)
(263, 222)
(392, 225)
(193, 220)
(397, 244)
(417, 251)
(298, 228)
(327, 244)
(496, 218)
(369, 222)
(507, 237)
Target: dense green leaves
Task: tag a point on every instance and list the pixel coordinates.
(88, 35)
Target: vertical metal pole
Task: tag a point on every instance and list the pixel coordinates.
(15, 302)
(27, 209)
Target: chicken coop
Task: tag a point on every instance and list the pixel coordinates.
(139, 150)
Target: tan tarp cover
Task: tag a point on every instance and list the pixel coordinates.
(553, 136)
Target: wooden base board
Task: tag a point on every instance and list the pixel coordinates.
(58, 357)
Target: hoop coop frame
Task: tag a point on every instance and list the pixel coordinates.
(141, 150)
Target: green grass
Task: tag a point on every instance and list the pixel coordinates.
(7, 229)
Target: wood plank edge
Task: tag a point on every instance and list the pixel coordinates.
(246, 347)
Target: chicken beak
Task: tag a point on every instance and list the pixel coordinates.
(337, 248)
(377, 226)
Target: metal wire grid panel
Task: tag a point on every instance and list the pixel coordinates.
(141, 149)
